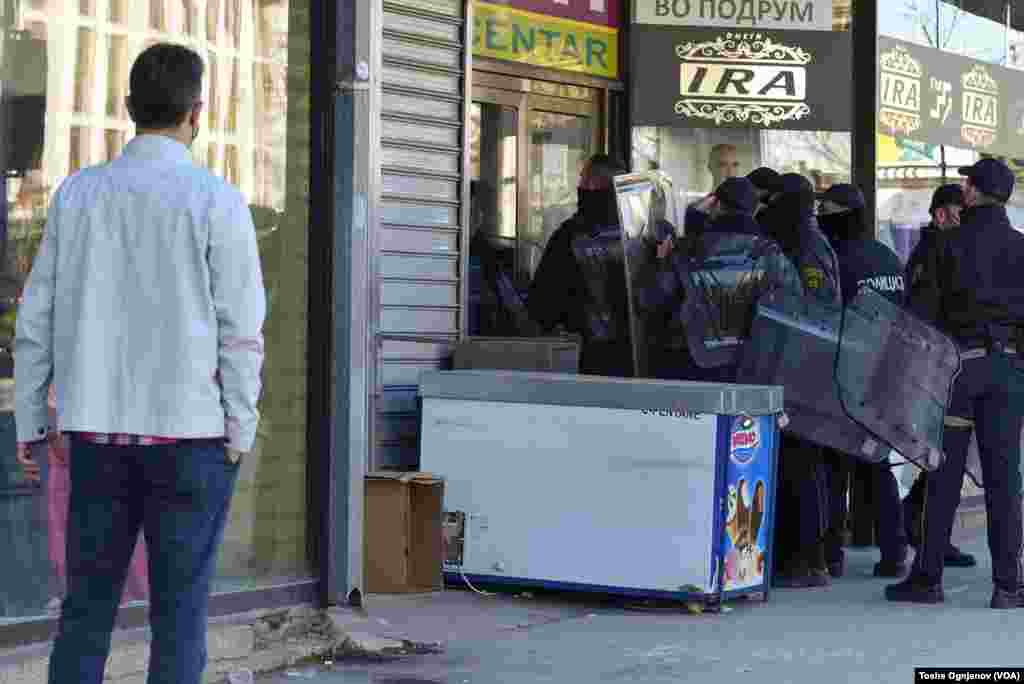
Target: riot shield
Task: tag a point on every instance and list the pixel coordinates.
(793, 343)
(894, 374)
(647, 209)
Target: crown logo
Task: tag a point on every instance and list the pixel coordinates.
(979, 79)
(742, 112)
(978, 137)
(736, 47)
(900, 61)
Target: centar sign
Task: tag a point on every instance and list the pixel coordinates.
(504, 33)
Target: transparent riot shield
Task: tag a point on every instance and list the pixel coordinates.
(646, 208)
(894, 374)
(793, 343)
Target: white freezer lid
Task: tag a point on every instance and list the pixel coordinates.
(558, 389)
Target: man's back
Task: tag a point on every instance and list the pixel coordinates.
(981, 262)
(154, 267)
(869, 262)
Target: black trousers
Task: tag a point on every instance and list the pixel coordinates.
(884, 493)
(990, 391)
(802, 492)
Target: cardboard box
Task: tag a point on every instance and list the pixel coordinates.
(539, 354)
(403, 538)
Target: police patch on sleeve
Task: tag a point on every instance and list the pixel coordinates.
(814, 278)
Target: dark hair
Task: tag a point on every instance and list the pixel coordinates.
(603, 166)
(165, 82)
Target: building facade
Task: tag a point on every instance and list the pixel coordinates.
(406, 163)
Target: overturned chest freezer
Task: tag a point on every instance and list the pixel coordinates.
(641, 488)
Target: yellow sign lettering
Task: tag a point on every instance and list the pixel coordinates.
(518, 36)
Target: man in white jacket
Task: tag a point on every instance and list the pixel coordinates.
(144, 309)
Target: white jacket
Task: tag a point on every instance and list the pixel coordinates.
(145, 304)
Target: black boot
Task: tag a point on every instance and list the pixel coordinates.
(1003, 599)
(915, 590)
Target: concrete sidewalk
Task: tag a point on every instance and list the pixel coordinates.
(843, 633)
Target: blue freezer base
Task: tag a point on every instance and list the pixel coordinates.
(455, 579)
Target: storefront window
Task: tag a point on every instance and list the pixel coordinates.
(708, 142)
(67, 110)
(917, 153)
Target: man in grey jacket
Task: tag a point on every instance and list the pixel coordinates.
(144, 309)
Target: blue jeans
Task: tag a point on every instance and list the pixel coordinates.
(990, 391)
(179, 496)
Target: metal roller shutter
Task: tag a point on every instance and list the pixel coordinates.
(419, 258)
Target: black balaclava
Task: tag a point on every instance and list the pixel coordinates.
(784, 216)
(844, 225)
(598, 207)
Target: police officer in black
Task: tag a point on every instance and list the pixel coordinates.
(947, 203)
(979, 303)
(864, 261)
(768, 183)
(731, 234)
(561, 294)
(802, 516)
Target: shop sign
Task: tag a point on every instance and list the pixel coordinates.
(706, 78)
(602, 12)
(514, 35)
(942, 98)
(815, 15)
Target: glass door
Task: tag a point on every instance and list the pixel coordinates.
(562, 134)
(528, 143)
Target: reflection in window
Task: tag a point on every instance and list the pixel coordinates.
(559, 146)
(231, 163)
(78, 154)
(212, 20)
(267, 157)
(114, 142)
(494, 188)
(117, 77)
(824, 157)
(233, 21)
(117, 11)
(156, 15)
(188, 12)
(214, 99)
(234, 100)
(85, 71)
(698, 159)
(213, 157)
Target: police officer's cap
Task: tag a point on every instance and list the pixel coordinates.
(845, 195)
(738, 193)
(765, 179)
(794, 182)
(991, 177)
(947, 195)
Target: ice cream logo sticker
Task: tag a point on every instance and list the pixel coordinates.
(742, 78)
(900, 92)
(980, 108)
(744, 440)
